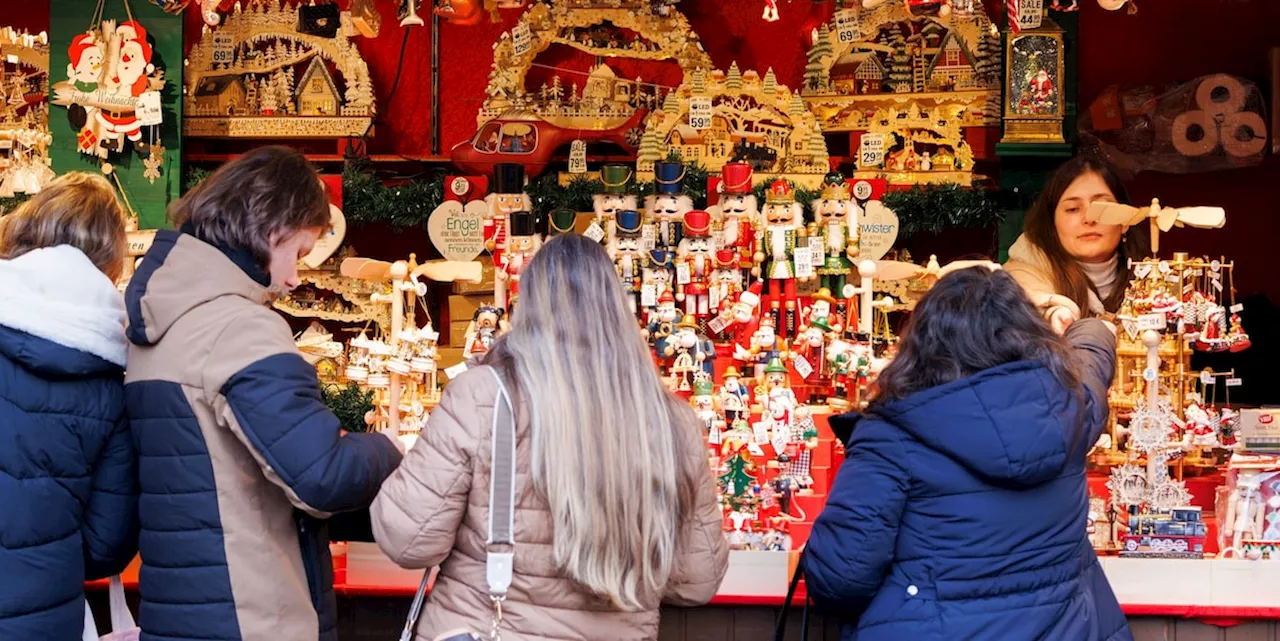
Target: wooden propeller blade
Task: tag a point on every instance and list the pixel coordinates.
(896, 270)
(448, 271)
(1116, 213)
(1202, 217)
(965, 264)
(366, 269)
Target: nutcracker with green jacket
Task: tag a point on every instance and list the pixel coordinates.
(614, 199)
(836, 221)
(777, 242)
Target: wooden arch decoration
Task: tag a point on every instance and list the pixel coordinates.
(950, 66)
(226, 68)
(668, 38)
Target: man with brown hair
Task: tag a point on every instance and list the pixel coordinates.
(238, 455)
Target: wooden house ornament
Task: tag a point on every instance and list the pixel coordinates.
(952, 67)
(317, 94)
(221, 94)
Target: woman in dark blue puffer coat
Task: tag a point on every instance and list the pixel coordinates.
(68, 474)
(960, 512)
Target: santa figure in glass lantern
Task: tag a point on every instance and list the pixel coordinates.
(726, 281)
(836, 220)
(739, 216)
(1041, 87)
(766, 347)
(735, 401)
(487, 324)
(812, 347)
(614, 199)
(784, 219)
(132, 68)
(627, 256)
(694, 265)
(506, 198)
(521, 245)
(665, 209)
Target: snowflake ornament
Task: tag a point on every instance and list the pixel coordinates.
(1149, 430)
(1167, 494)
(1128, 484)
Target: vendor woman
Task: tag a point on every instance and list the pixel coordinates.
(1072, 268)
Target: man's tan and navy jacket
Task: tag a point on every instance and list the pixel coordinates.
(238, 455)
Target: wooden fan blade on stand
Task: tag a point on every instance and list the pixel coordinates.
(1161, 219)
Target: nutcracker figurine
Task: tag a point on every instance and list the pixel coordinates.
(693, 269)
(665, 209)
(703, 402)
(735, 402)
(836, 220)
(775, 394)
(812, 347)
(726, 281)
(625, 250)
(822, 307)
(766, 347)
(616, 179)
(659, 272)
(784, 217)
(739, 216)
(487, 324)
(662, 322)
(561, 221)
(521, 245)
(508, 197)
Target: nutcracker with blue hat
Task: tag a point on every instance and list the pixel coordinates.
(659, 273)
(666, 208)
(521, 245)
(836, 220)
(507, 197)
(694, 266)
(613, 199)
(784, 231)
(739, 215)
(628, 258)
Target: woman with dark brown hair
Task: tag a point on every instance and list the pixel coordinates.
(960, 510)
(1072, 268)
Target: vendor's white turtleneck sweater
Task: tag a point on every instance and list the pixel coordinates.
(1102, 275)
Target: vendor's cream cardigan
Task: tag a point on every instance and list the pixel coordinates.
(1030, 267)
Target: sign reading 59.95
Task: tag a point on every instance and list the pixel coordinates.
(700, 111)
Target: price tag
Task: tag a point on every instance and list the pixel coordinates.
(594, 232)
(521, 39)
(716, 325)
(682, 274)
(1186, 289)
(1172, 278)
(1215, 275)
(460, 186)
(1237, 308)
(780, 438)
(1207, 378)
(761, 430)
(456, 370)
(1234, 382)
(700, 111)
(803, 368)
(803, 262)
(818, 254)
(1215, 265)
(754, 449)
(578, 157)
(1149, 374)
(224, 47)
(1151, 321)
(1030, 14)
(648, 295)
(1217, 284)
(717, 239)
(1164, 267)
(1142, 270)
(648, 237)
(862, 190)
(149, 112)
(846, 26)
(871, 150)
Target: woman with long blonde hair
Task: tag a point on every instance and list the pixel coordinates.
(615, 508)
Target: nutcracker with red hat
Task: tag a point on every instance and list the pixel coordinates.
(784, 220)
(739, 214)
(506, 198)
(726, 282)
(836, 220)
(628, 258)
(521, 245)
(665, 209)
(694, 265)
(614, 199)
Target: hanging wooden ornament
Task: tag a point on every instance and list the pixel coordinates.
(153, 163)
(24, 131)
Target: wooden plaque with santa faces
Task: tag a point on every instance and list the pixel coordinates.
(877, 231)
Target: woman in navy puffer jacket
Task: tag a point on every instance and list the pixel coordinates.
(960, 512)
(68, 477)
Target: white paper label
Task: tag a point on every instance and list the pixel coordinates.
(682, 274)
(803, 368)
(456, 370)
(803, 262)
(594, 232)
(1148, 375)
(1237, 308)
(700, 111)
(1186, 289)
(818, 254)
(1164, 267)
(1142, 270)
(1234, 382)
(648, 237)
(224, 47)
(1151, 321)
(649, 295)
(780, 438)
(754, 449)
(149, 111)
(460, 186)
(578, 157)
(717, 237)
(521, 39)
(1172, 278)
(871, 150)
(862, 190)
(761, 430)
(1214, 265)
(716, 325)
(846, 22)
(1207, 378)
(1217, 284)
(1030, 14)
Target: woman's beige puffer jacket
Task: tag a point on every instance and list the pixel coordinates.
(434, 510)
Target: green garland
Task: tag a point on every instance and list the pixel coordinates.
(7, 205)
(367, 199)
(349, 404)
(937, 208)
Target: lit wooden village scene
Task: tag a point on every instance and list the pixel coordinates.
(24, 112)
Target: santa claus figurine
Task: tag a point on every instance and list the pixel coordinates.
(133, 66)
(739, 214)
(741, 320)
(693, 271)
(1041, 86)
